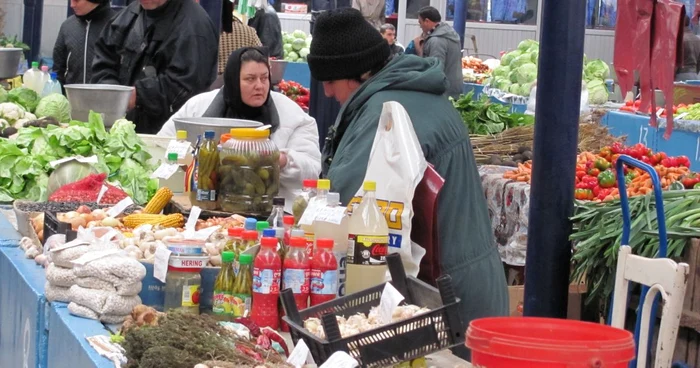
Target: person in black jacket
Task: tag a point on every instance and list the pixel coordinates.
(267, 25)
(166, 49)
(73, 50)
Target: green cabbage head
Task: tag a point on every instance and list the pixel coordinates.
(25, 97)
(55, 105)
(597, 92)
(508, 58)
(526, 73)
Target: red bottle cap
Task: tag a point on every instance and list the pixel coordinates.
(250, 235)
(288, 220)
(297, 242)
(308, 183)
(269, 242)
(325, 243)
(235, 232)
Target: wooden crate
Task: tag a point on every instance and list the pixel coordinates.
(688, 341)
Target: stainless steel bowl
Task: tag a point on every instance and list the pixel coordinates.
(277, 68)
(197, 126)
(9, 61)
(107, 99)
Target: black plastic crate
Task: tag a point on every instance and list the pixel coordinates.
(52, 226)
(423, 334)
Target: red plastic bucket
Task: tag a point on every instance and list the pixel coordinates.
(527, 342)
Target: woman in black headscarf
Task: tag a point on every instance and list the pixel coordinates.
(247, 94)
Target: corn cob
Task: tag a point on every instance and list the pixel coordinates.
(175, 220)
(158, 202)
(134, 220)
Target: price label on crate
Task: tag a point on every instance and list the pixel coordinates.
(340, 359)
(165, 171)
(118, 208)
(103, 190)
(181, 148)
(85, 160)
(160, 264)
(301, 355)
(334, 215)
(310, 213)
(391, 298)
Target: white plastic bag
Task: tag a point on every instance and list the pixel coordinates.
(60, 276)
(87, 240)
(532, 103)
(396, 164)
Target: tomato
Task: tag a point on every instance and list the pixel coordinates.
(606, 179)
(629, 103)
(637, 103)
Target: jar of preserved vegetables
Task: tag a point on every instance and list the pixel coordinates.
(183, 284)
(249, 172)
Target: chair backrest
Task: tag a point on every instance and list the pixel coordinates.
(663, 276)
(424, 230)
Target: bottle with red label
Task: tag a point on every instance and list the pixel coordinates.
(296, 274)
(267, 275)
(288, 225)
(324, 273)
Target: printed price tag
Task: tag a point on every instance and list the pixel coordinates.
(103, 190)
(165, 171)
(301, 355)
(181, 148)
(334, 215)
(160, 263)
(118, 208)
(204, 234)
(340, 359)
(391, 298)
(310, 213)
(91, 256)
(85, 160)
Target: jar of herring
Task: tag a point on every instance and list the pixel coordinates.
(248, 173)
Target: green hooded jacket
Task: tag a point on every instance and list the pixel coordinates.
(467, 249)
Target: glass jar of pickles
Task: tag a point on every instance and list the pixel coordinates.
(248, 173)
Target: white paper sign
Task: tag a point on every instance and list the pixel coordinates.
(181, 148)
(340, 359)
(160, 264)
(85, 160)
(103, 190)
(192, 222)
(165, 171)
(391, 298)
(334, 215)
(680, 116)
(118, 208)
(659, 112)
(301, 355)
(91, 256)
(310, 212)
(70, 244)
(203, 234)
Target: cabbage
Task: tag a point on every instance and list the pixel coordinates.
(24, 97)
(526, 87)
(298, 44)
(535, 56)
(68, 172)
(597, 92)
(501, 71)
(292, 56)
(503, 85)
(514, 89)
(520, 60)
(526, 45)
(54, 105)
(596, 69)
(3, 95)
(508, 58)
(513, 76)
(287, 47)
(304, 52)
(308, 41)
(526, 73)
(299, 34)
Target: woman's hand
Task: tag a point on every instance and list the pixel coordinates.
(132, 100)
(283, 160)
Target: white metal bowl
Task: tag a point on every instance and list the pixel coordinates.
(9, 61)
(109, 100)
(197, 126)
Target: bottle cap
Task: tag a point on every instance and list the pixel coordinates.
(333, 199)
(262, 225)
(249, 133)
(53, 75)
(44, 68)
(181, 135)
(245, 259)
(250, 235)
(172, 156)
(324, 243)
(297, 233)
(297, 242)
(250, 223)
(269, 242)
(227, 256)
(269, 233)
(235, 232)
(288, 220)
(209, 134)
(35, 64)
(370, 186)
(309, 183)
(324, 184)
(278, 201)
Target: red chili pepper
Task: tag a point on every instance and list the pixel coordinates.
(274, 336)
(683, 161)
(248, 323)
(250, 352)
(263, 342)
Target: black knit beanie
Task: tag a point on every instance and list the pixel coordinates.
(344, 46)
(99, 1)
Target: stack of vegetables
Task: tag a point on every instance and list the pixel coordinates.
(22, 105)
(25, 160)
(484, 117)
(518, 71)
(296, 92)
(596, 179)
(633, 107)
(296, 46)
(474, 70)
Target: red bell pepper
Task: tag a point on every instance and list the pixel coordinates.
(690, 179)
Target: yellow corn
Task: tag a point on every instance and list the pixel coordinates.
(128, 235)
(158, 202)
(173, 220)
(134, 220)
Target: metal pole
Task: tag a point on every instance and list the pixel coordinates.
(460, 20)
(31, 32)
(556, 140)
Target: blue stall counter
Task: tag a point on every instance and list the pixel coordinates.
(68, 347)
(23, 333)
(9, 237)
(298, 72)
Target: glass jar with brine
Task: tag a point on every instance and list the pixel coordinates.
(207, 183)
(249, 172)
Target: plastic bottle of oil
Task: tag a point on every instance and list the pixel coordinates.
(339, 234)
(368, 243)
(322, 188)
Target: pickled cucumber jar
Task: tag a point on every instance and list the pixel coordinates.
(249, 172)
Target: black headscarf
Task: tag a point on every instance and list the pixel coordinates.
(228, 102)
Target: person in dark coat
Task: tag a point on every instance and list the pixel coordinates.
(166, 49)
(388, 31)
(73, 51)
(267, 25)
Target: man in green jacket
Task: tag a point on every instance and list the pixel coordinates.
(354, 64)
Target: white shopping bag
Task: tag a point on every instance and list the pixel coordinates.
(397, 164)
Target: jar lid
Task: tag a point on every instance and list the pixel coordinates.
(225, 137)
(184, 246)
(248, 133)
(181, 135)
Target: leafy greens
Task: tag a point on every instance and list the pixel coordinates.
(483, 117)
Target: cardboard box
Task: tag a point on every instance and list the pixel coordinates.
(516, 295)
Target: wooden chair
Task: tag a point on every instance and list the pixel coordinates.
(663, 276)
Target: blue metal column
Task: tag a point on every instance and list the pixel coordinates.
(460, 20)
(556, 140)
(31, 30)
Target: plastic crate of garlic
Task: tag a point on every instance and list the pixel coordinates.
(360, 322)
